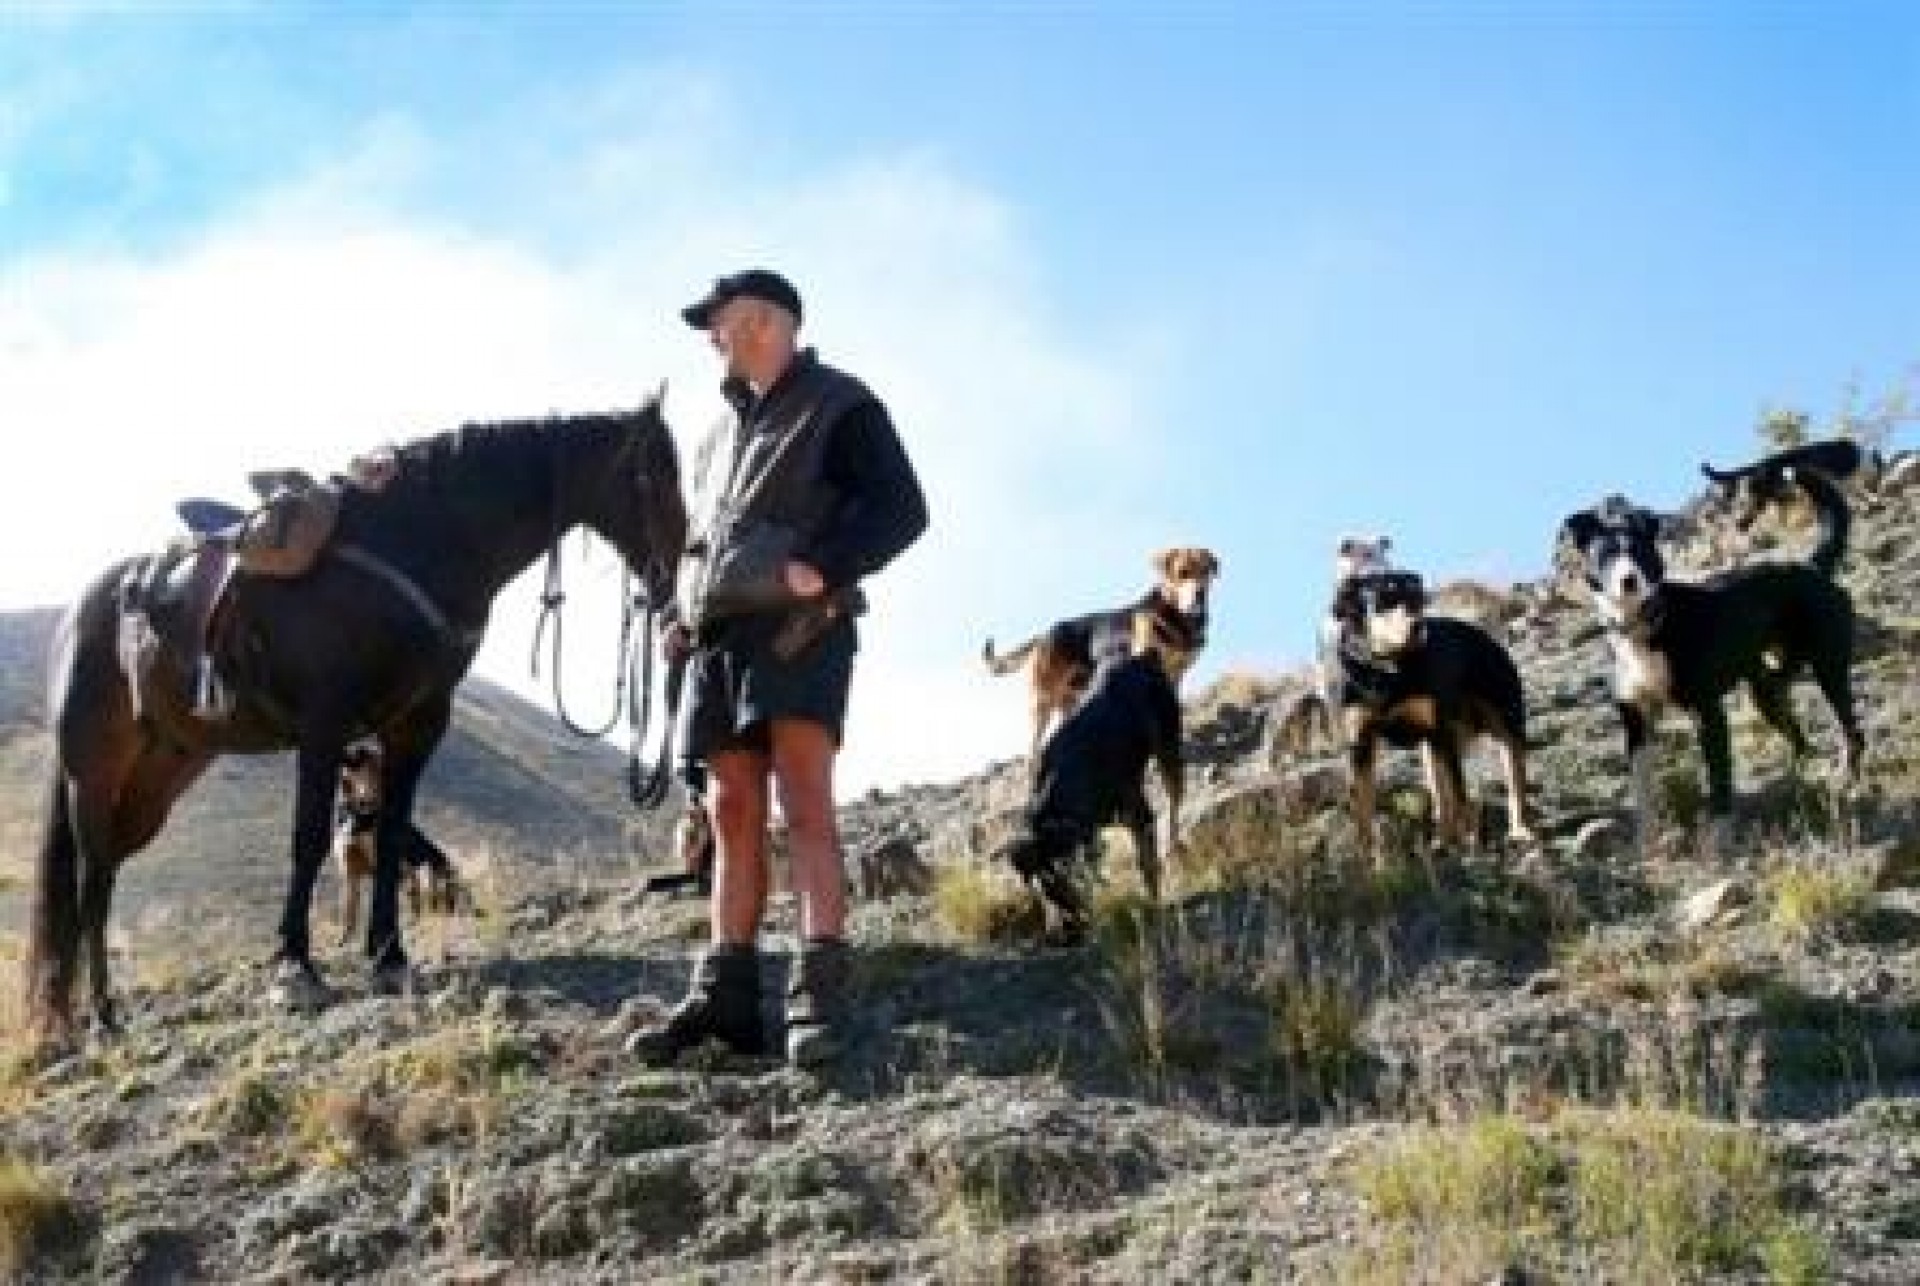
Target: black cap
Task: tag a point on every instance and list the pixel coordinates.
(754, 283)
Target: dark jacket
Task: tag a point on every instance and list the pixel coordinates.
(815, 460)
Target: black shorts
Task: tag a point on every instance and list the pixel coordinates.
(735, 685)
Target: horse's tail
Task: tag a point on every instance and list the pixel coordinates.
(1834, 517)
(53, 941)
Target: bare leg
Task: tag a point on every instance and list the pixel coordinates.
(803, 755)
(738, 780)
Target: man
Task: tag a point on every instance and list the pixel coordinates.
(802, 491)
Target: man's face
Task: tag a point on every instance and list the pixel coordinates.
(734, 331)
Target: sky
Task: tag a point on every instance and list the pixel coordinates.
(1132, 274)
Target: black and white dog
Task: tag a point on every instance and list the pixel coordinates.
(1685, 644)
(1092, 774)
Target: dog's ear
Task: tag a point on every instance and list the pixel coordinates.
(1209, 563)
(1655, 526)
(1162, 563)
(1383, 546)
(1578, 529)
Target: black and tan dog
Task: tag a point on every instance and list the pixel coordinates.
(431, 882)
(1092, 774)
(1064, 658)
(1307, 719)
(1677, 643)
(1409, 679)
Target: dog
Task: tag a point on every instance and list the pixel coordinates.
(694, 844)
(1750, 488)
(1092, 774)
(1065, 656)
(431, 882)
(1685, 644)
(1410, 679)
(1307, 719)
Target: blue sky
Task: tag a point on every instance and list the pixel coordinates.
(1246, 276)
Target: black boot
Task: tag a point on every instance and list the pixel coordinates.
(723, 1004)
(818, 998)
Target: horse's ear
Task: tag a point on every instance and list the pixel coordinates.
(658, 397)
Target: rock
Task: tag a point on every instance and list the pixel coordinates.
(1598, 840)
(892, 868)
(1715, 904)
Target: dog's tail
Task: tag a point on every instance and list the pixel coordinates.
(1726, 477)
(1834, 517)
(1007, 663)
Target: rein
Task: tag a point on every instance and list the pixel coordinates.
(647, 786)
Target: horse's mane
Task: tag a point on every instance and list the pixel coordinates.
(511, 448)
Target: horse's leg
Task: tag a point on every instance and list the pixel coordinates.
(159, 776)
(299, 983)
(408, 746)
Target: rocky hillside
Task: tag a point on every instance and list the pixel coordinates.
(1561, 1064)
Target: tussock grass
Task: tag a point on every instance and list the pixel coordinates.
(1630, 1194)
(1674, 1192)
(1664, 968)
(1241, 1004)
(1816, 901)
(979, 903)
(253, 1102)
(343, 1126)
(1492, 1169)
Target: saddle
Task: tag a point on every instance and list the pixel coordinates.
(174, 599)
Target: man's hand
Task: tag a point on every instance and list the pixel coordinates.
(803, 580)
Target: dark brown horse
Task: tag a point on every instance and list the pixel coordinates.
(372, 640)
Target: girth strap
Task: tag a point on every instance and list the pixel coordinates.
(409, 589)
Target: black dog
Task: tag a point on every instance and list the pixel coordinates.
(1749, 489)
(1092, 774)
(1690, 644)
(1408, 679)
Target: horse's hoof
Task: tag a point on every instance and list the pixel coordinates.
(106, 1021)
(298, 988)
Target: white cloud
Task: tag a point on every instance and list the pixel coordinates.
(404, 287)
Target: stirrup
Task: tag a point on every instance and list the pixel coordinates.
(212, 699)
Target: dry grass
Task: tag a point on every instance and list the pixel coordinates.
(253, 1102)
(13, 1015)
(1664, 968)
(1816, 901)
(1631, 1194)
(341, 1126)
(979, 903)
(1256, 1009)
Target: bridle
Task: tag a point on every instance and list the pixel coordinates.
(647, 784)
